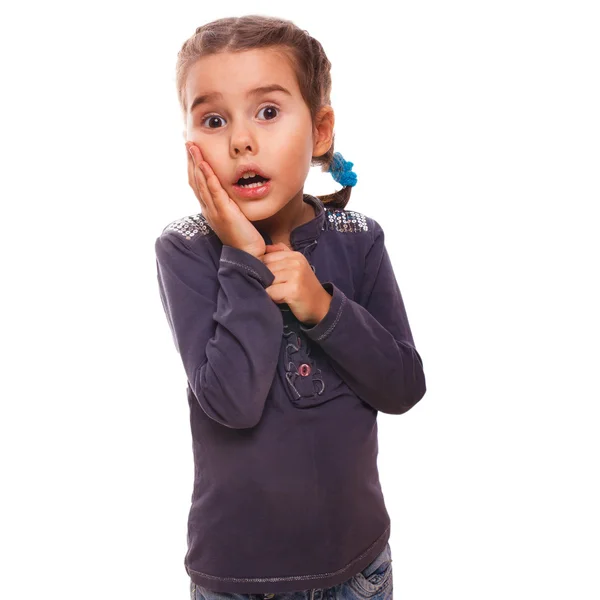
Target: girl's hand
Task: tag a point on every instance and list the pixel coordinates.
(296, 284)
(223, 215)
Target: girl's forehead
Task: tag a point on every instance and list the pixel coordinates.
(238, 73)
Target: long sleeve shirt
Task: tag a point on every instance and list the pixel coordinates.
(283, 415)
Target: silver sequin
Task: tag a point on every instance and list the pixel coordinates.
(345, 220)
(338, 219)
(191, 225)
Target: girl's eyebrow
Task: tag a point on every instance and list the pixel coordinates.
(264, 89)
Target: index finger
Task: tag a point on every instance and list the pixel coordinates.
(197, 180)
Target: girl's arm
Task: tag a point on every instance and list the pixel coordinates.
(369, 340)
(225, 326)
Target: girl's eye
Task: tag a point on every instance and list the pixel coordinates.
(270, 108)
(211, 119)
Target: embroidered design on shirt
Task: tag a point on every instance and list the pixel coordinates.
(344, 220)
(190, 226)
(301, 374)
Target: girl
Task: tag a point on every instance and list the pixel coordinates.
(290, 325)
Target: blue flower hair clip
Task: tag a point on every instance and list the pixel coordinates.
(341, 170)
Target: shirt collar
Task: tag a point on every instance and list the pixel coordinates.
(307, 232)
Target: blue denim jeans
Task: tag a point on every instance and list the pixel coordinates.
(373, 582)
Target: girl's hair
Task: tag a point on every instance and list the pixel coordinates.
(306, 55)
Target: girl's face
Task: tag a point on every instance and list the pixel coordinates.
(232, 125)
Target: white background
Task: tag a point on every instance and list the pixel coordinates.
(474, 130)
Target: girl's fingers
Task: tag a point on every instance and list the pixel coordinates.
(191, 176)
(208, 184)
(210, 179)
(198, 182)
(218, 196)
(190, 170)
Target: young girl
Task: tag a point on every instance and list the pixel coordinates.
(290, 325)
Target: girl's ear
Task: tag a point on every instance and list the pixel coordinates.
(325, 122)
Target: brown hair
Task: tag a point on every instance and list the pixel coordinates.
(306, 55)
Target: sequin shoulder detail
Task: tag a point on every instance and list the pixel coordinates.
(345, 220)
(190, 226)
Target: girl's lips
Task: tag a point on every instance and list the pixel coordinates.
(253, 193)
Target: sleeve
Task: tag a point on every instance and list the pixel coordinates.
(369, 341)
(225, 326)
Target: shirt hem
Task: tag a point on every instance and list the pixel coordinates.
(296, 583)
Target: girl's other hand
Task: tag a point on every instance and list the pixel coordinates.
(223, 215)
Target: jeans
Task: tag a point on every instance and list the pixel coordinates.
(373, 582)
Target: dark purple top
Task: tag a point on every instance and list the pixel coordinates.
(286, 492)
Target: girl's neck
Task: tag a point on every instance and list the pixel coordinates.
(280, 225)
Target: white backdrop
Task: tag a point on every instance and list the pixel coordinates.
(474, 130)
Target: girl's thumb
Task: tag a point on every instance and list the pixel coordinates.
(274, 247)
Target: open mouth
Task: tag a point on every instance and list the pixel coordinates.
(250, 182)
